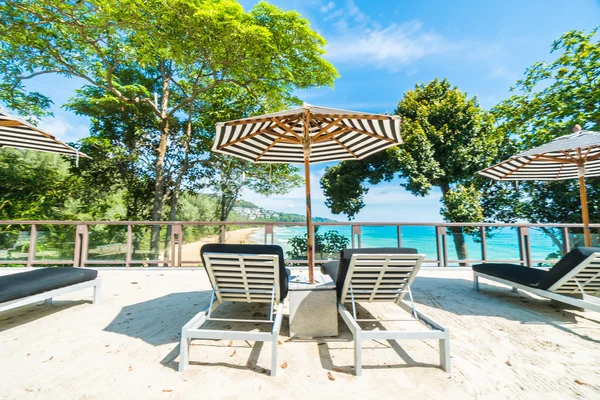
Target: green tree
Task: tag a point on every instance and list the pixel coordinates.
(547, 103)
(447, 137)
(327, 245)
(187, 47)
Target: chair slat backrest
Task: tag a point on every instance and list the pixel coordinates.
(380, 277)
(585, 276)
(250, 278)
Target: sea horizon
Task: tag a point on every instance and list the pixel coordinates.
(501, 243)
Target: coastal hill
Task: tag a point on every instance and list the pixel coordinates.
(247, 211)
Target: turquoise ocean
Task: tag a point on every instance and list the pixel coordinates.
(501, 243)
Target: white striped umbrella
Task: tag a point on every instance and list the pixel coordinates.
(14, 132)
(306, 135)
(576, 155)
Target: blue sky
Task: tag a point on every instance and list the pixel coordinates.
(382, 49)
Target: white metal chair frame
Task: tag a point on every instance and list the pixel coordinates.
(387, 278)
(50, 294)
(247, 278)
(583, 281)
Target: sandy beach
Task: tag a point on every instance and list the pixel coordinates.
(503, 345)
(190, 252)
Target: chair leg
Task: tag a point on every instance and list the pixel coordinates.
(96, 298)
(475, 282)
(48, 301)
(274, 356)
(445, 353)
(184, 352)
(357, 354)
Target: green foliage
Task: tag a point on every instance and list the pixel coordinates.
(193, 45)
(447, 139)
(32, 185)
(327, 245)
(462, 204)
(547, 103)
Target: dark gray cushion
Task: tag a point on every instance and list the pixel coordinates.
(339, 270)
(512, 272)
(536, 277)
(253, 249)
(24, 284)
(566, 264)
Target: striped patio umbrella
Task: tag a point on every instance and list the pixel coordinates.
(14, 132)
(576, 155)
(306, 135)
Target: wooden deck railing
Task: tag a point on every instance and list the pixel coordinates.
(22, 244)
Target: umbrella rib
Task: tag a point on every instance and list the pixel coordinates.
(559, 171)
(543, 157)
(267, 149)
(332, 135)
(367, 133)
(587, 153)
(261, 132)
(10, 122)
(288, 129)
(345, 148)
(517, 169)
(569, 156)
(323, 131)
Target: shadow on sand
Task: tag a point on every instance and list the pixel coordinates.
(176, 309)
(23, 315)
(454, 296)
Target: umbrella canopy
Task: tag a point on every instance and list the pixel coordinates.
(567, 157)
(306, 135)
(14, 132)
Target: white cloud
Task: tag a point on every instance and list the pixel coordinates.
(328, 7)
(503, 73)
(390, 48)
(58, 126)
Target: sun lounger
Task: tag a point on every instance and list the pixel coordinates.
(240, 273)
(574, 280)
(382, 275)
(29, 287)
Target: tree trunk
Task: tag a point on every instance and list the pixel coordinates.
(161, 151)
(178, 182)
(457, 235)
(557, 242)
(159, 189)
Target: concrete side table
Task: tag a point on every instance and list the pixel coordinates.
(313, 308)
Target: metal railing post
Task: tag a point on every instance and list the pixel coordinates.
(356, 230)
(32, 245)
(483, 244)
(222, 234)
(566, 243)
(80, 245)
(129, 249)
(399, 235)
(442, 249)
(269, 231)
(524, 246)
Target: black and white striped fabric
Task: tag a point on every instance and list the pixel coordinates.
(334, 135)
(556, 160)
(14, 132)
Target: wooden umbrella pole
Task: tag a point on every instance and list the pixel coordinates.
(584, 209)
(309, 225)
(310, 240)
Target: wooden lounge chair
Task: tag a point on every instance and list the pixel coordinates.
(43, 284)
(382, 275)
(240, 273)
(574, 280)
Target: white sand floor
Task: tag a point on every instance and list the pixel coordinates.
(503, 345)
